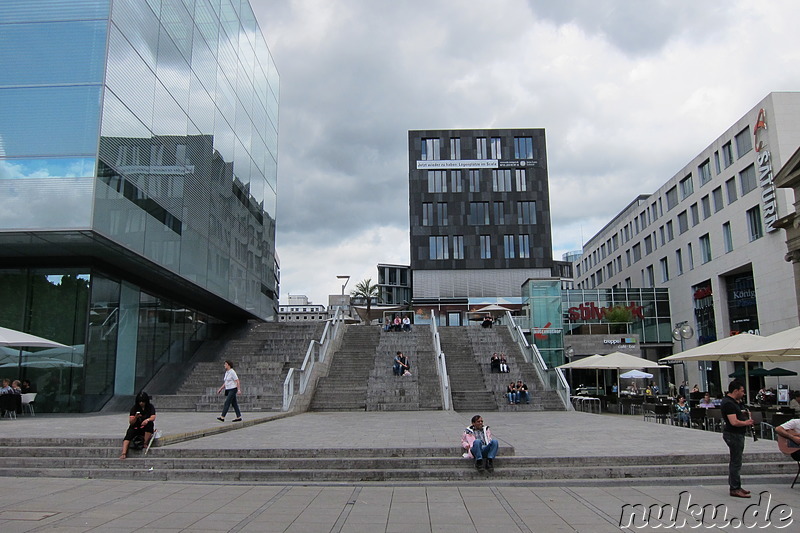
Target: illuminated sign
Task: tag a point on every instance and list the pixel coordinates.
(765, 178)
(457, 163)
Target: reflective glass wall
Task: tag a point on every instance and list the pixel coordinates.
(111, 346)
(52, 54)
(188, 148)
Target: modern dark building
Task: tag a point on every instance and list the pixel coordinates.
(479, 217)
(138, 178)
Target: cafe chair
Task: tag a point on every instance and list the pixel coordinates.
(697, 417)
(714, 419)
(27, 402)
(663, 413)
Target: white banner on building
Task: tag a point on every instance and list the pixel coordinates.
(457, 163)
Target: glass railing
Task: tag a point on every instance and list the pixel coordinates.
(441, 365)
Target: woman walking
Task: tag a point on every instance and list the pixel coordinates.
(231, 386)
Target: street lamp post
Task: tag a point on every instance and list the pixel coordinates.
(341, 303)
(681, 332)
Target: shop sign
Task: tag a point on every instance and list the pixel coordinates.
(590, 311)
(444, 164)
(765, 177)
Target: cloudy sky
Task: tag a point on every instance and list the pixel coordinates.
(628, 92)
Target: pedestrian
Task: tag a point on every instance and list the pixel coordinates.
(737, 420)
(477, 440)
(230, 384)
(140, 423)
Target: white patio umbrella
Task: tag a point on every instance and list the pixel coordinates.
(12, 337)
(744, 348)
(613, 361)
(636, 374)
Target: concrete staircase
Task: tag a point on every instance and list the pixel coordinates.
(97, 459)
(345, 386)
(262, 354)
(420, 391)
(474, 387)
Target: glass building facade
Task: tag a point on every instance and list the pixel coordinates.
(138, 179)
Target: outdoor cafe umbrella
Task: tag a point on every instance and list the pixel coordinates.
(613, 361)
(744, 348)
(636, 374)
(18, 339)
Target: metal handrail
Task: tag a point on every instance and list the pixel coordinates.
(316, 353)
(441, 365)
(552, 378)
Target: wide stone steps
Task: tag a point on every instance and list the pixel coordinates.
(426, 465)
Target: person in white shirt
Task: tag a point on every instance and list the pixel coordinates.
(230, 385)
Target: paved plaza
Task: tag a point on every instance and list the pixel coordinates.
(78, 505)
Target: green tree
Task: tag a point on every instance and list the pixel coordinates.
(618, 318)
(367, 290)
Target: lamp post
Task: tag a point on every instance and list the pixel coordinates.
(341, 303)
(569, 352)
(681, 332)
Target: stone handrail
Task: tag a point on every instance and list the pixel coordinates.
(441, 365)
(551, 378)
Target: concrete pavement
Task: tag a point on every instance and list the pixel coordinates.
(45, 504)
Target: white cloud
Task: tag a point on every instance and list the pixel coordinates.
(627, 91)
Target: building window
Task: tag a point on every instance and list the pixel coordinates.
(664, 270)
(654, 211)
(747, 179)
(695, 214)
(499, 213)
(663, 236)
(686, 186)
(430, 149)
(670, 231)
(497, 152)
(455, 180)
(438, 247)
(705, 172)
(526, 212)
(743, 142)
(683, 222)
(486, 247)
(480, 147)
(627, 258)
(648, 245)
(508, 246)
(637, 252)
(679, 260)
(650, 278)
(437, 181)
(522, 181)
(501, 180)
(690, 256)
(524, 246)
(458, 247)
(523, 148)
(441, 213)
(474, 181)
(705, 248)
(754, 227)
(716, 195)
(672, 198)
(478, 213)
(427, 214)
(455, 147)
(730, 189)
(727, 154)
(705, 201)
(727, 237)
(716, 162)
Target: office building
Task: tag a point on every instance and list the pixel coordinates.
(394, 284)
(138, 168)
(710, 235)
(479, 218)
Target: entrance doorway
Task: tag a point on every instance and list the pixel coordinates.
(453, 319)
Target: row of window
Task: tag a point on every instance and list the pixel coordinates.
(484, 148)
(479, 214)
(707, 206)
(755, 230)
(514, 246)
(503, 180)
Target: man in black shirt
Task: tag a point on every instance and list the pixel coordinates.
(737, 419)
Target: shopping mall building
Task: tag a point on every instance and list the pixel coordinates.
(138, 168)
(709, 236)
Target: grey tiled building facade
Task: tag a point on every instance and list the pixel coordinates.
(479, 211)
